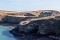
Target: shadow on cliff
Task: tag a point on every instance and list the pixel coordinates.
(35, 38)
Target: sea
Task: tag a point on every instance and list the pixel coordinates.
(5, 34)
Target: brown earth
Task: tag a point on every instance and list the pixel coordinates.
(4, 12)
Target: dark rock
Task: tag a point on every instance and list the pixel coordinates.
(42, 27)
(29, 14)
(14, 19)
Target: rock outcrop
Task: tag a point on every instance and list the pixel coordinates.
(17, 17)
(50, 26)
(41, 22)
(47, 22)
(14, 20)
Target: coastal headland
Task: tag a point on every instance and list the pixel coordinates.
(31, 22)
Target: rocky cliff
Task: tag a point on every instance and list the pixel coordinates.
(16, 17)
(44, 22)
(40, 26)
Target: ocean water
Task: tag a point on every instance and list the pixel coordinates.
(4, 34)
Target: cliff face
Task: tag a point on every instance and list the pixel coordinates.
(14, 19)
(46, 22)
(48, 27)
(17, 17)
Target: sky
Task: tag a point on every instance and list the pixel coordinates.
(29, 5)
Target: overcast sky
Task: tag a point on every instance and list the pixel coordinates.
(28, 5)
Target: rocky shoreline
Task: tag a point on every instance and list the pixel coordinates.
(42, 23)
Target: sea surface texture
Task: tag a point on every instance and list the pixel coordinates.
(4, 33)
